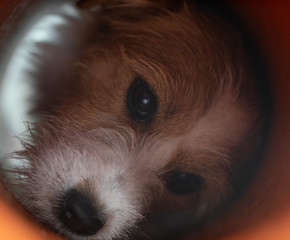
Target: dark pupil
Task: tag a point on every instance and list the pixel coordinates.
(141, 101)
(182, 183)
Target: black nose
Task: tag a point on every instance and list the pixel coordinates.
(79, 213)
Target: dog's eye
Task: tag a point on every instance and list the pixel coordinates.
(183, 183)
(141, 101)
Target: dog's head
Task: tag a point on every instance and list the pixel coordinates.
(157, 111)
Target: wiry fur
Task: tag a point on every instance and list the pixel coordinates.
(207, 120)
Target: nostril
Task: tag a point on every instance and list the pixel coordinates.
(78, 213)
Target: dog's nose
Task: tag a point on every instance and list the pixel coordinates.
(79, 214)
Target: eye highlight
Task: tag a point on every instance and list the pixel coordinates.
(141, 101)
(183, 183)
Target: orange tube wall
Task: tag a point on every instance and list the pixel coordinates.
(266, 205)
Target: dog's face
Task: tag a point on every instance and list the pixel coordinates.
(153, 118)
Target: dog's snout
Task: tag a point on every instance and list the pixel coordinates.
(79, 213)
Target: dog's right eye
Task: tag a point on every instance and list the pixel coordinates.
(141, 101)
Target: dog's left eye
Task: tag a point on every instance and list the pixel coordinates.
(141, 101)
(183, 183)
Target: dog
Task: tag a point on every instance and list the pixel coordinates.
(154, 118)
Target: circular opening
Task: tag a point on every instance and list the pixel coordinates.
(47, 27)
